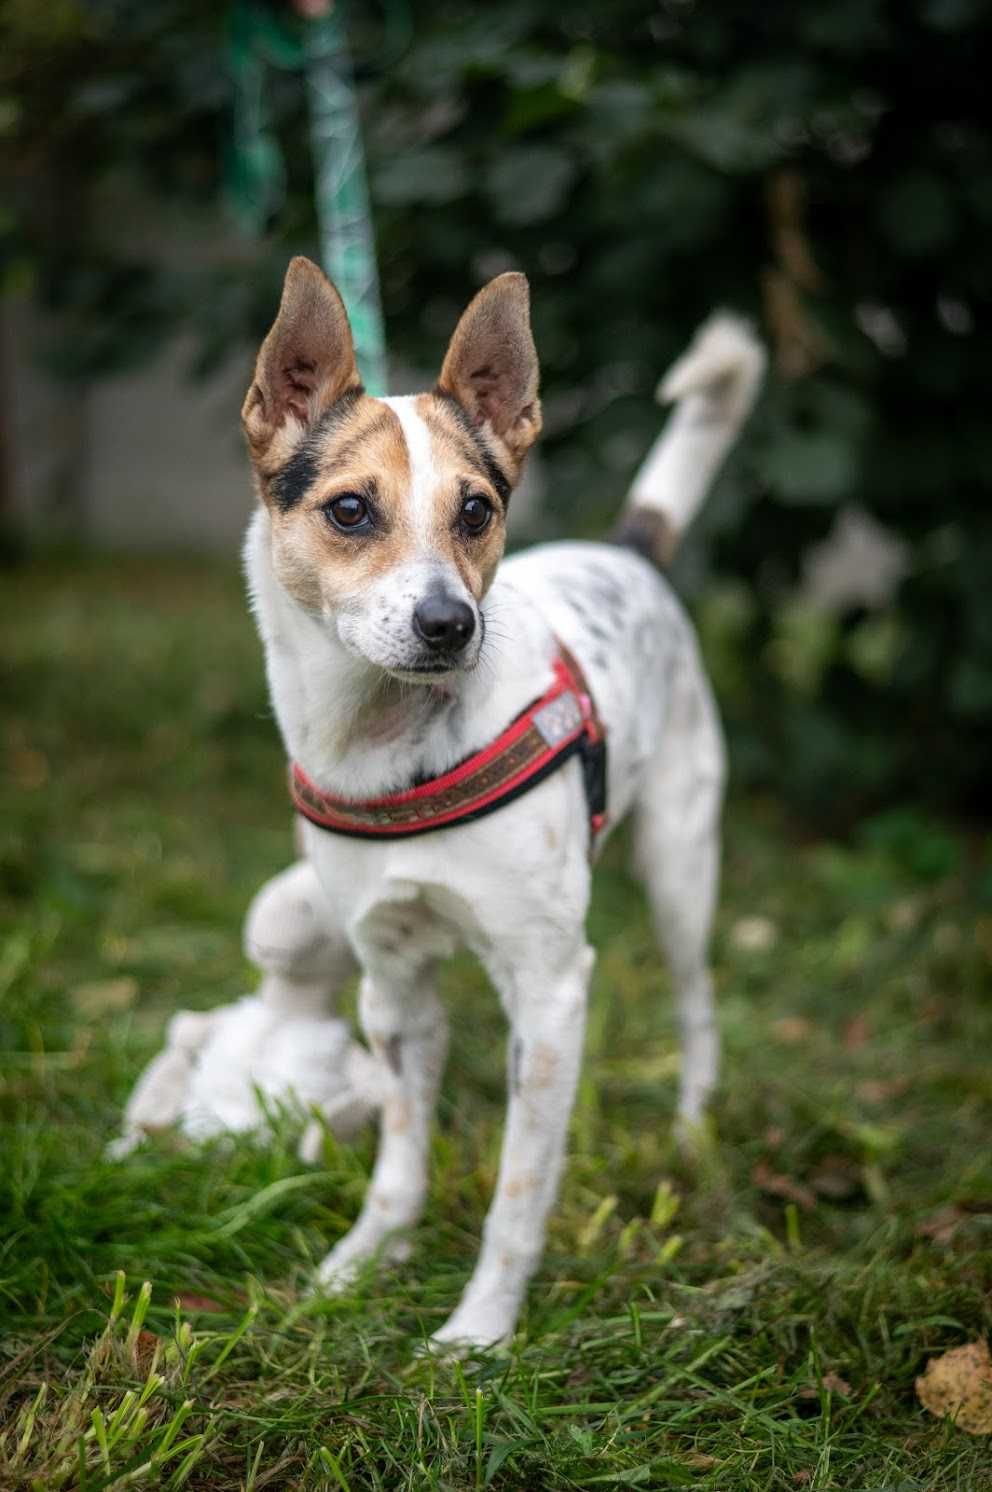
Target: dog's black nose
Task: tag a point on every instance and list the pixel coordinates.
(443, 622)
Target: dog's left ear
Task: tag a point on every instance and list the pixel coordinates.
(491, 364)
(305, 363)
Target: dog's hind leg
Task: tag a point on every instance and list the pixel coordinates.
(677, 843)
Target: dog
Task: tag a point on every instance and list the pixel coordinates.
(398, 648)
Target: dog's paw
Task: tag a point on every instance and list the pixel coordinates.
(349, 1259)
(468, 1330)
(341, 1268)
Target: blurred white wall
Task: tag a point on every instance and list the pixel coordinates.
(146, 460)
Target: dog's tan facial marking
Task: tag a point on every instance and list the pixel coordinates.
(356, 457)
(454, 432)
(463, 479)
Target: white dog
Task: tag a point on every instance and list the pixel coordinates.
(463, 740)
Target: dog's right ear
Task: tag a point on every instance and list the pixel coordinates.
(305, 363)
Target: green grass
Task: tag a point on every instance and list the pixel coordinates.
(753, 1322)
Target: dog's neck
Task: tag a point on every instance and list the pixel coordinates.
(358, 732)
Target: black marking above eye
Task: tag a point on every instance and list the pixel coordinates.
(349, 513)
(485, 461)
(475, 513)
(291, 484)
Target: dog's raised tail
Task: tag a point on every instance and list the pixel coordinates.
(713, 386)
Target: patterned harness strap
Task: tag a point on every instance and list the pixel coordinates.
(561, 724)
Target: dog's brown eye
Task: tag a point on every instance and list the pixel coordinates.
(349, 512)
(476, 513)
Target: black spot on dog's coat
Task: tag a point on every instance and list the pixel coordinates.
(394, 1054)
(516, 1064)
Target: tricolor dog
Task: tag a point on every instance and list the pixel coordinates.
(464, 733)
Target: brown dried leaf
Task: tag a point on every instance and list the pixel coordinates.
(958, 1386)
(836, 1177)
(190, 1302)
(145, 1347)
(837, 1385)
(942, 1225)
(878, 1090)
(778, 1185)
(792, 1030)
(832, 1382)
(857, 1032)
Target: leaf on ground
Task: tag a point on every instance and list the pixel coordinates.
(958, 1386)
(792, 1030)
(904, 915)
(190, 1302)
(837, 1177)
(700, 1461)
(832, 1382)
(941, 1226)
(857, 1032)
(146, 1344)
(776, 1184)
(103, 996)
(879, 1090)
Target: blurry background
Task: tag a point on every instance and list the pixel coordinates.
(822, 169)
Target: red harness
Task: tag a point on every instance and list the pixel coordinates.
(562, 723)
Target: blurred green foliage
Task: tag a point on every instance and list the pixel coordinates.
(822, 168)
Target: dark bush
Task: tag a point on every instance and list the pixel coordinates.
(822, 168)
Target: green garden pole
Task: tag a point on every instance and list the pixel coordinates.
(347, 245)
(260, 36)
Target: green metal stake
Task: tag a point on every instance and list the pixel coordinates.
(260, 37)
(344, 217)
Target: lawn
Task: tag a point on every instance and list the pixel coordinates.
(755, 1320)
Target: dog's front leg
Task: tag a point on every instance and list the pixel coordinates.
(547, 1016)
(407, 1031)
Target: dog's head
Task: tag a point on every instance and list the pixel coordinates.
(388, 516)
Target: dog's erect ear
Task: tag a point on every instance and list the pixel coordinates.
(491, 364)
(305, 363)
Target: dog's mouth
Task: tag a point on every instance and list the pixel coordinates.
(433, 671)
(440, 665)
